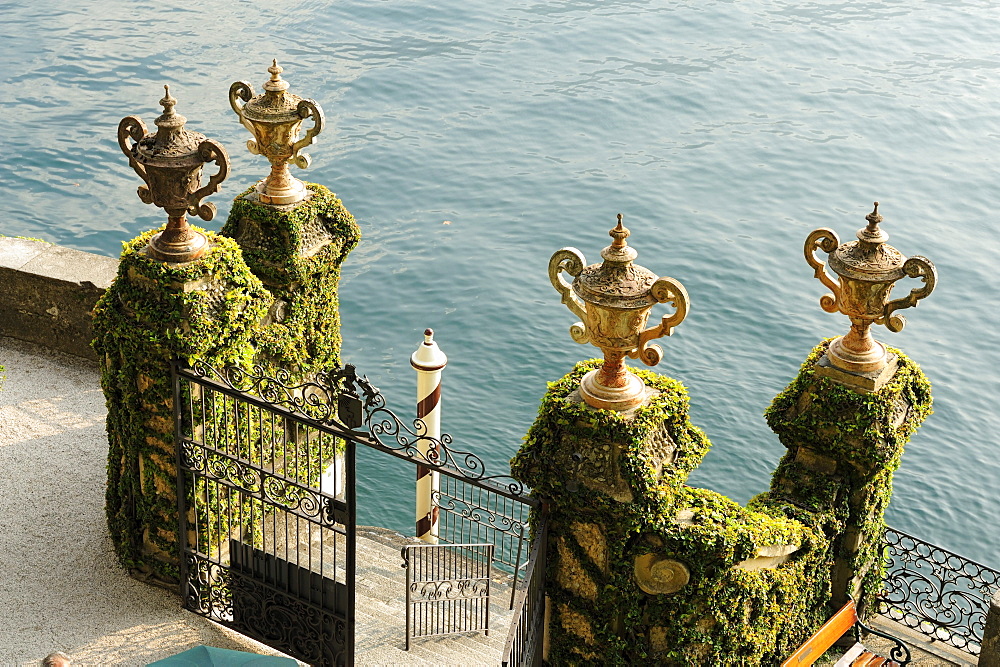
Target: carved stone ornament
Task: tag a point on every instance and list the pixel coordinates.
(169, 162)
(657, 575)
(274, 118)
(613, 300)
(867, 269)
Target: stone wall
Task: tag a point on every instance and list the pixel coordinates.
(48, 293)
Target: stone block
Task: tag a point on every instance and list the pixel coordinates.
(49, 293)
(815, 462)
(15, 253)
(864, 383)
(990, 655)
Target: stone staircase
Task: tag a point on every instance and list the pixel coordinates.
(380, 597)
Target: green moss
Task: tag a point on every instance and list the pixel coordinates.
(204, 310)
(297, 253)
(725, 615)
(268, 296)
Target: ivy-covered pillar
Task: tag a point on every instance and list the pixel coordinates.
(844, 443)
(208, 309)
(296, 250)
(294, 235)
(854, 404)
(641, 567)
(594, 468)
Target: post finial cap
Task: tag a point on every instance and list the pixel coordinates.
(428, 357)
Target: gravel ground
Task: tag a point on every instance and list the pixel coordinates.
(60, 586)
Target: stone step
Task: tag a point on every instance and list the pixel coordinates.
(380, 597)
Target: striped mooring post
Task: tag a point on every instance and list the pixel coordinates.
(429, 361)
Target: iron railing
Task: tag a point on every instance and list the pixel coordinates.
(266, 473)
(473, 513)
(267, 544)
(447, 589)
(938, 593)
(527, 627)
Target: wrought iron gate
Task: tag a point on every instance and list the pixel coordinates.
(266, 498)
(267, 505)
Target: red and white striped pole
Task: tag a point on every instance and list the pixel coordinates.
(429, 361)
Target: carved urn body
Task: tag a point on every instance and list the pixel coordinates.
(274, 118)
(613, 299)
(170, 163)
(867, 270)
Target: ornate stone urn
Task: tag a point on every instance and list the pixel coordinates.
(613, 299)
(170, 163)
(867, 269)
(274, 118)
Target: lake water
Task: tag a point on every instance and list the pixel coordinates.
(472, 139)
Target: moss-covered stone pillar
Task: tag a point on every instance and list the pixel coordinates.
(207, 309)
(642, 568)
(843, 446)
(297, 251)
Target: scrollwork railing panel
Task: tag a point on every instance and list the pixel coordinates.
(938, 593)
(447, 588)
(332, 399)
(276, 490)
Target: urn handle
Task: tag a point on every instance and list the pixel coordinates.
(209, 150)
(243, 90)
(915, 267)
(132, 126)
(307, 108)
(664, 290)
(826, 240)
(572, 262)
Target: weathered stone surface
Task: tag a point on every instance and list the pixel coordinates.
(576, 624)
(590, 537)
(814, 461)
(658, 638)
(990, 655)
(769, 557)
(49, 293)
(571, 575)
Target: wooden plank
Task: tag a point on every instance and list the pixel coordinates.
(824, 638)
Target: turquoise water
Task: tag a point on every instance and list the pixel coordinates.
(725, 132)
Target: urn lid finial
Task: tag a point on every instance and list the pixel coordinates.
(869, 258)
(617, 282)
(171, 140)
(873, 234)
(169, 118)
(275, 83)
(619, 252)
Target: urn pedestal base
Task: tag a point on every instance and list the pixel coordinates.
(622, 399)
(281, 193)
(177, 251)
(872, 359)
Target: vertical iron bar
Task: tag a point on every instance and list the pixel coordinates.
(181, 498)
(351, 546)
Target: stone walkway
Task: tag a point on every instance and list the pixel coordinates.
(60, 587)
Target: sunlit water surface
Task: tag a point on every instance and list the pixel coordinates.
(472, 139)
